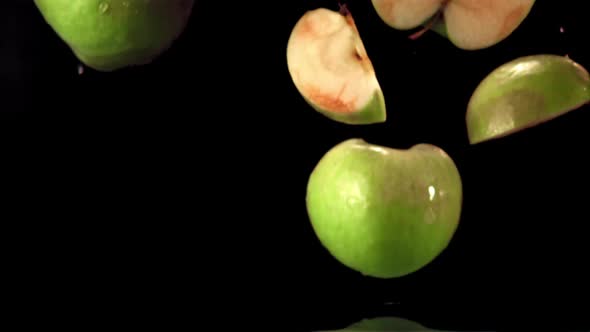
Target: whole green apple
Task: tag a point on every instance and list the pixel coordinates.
(381, 211)
(330, 68)
(523, 93)
(468, 24)
(111, 34)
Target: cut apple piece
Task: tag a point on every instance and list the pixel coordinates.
(330, 68)
(406, 14)
(468, 24)
(478, 24)
(523, 93)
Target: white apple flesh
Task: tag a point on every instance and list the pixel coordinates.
(468, 24)
(330, 68)
(406, 14)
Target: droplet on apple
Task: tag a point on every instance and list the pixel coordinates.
(523, 93)
(381, 211)
(468, 24)
(108, 35)
(330, 68)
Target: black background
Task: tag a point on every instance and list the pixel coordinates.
(196, 166)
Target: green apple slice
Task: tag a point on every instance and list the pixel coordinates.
(523, 93)
(468, 24)
(381, 211)
(330, 68)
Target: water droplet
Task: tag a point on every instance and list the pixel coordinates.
(430, 216)
(126, 3)
(103, 7)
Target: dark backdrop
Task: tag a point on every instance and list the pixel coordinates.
(196, 166)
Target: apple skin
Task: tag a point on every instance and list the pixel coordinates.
(523, 93)
(108, 35)
(384, 212)
(373, 113)
(390, 324)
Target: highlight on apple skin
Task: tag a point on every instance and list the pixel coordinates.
(331, 70)
(468, 24)
(381, 211)
(523, 93)
(108, 35)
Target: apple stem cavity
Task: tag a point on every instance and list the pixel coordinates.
(344, 11)
(359, 54)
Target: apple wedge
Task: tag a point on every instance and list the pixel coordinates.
(330, 68)
(523, 93)
(468, 24)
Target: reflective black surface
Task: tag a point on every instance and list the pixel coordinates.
(189, 175)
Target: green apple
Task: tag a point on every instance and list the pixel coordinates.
(468, 24)
(382, 324)
(111, 34)
(330, 68)
(523, 93)
(381, 211)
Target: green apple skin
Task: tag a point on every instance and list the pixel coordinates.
(389, 324)
(384, 212)
(373, 113)
(108, 35)
(523, 93)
